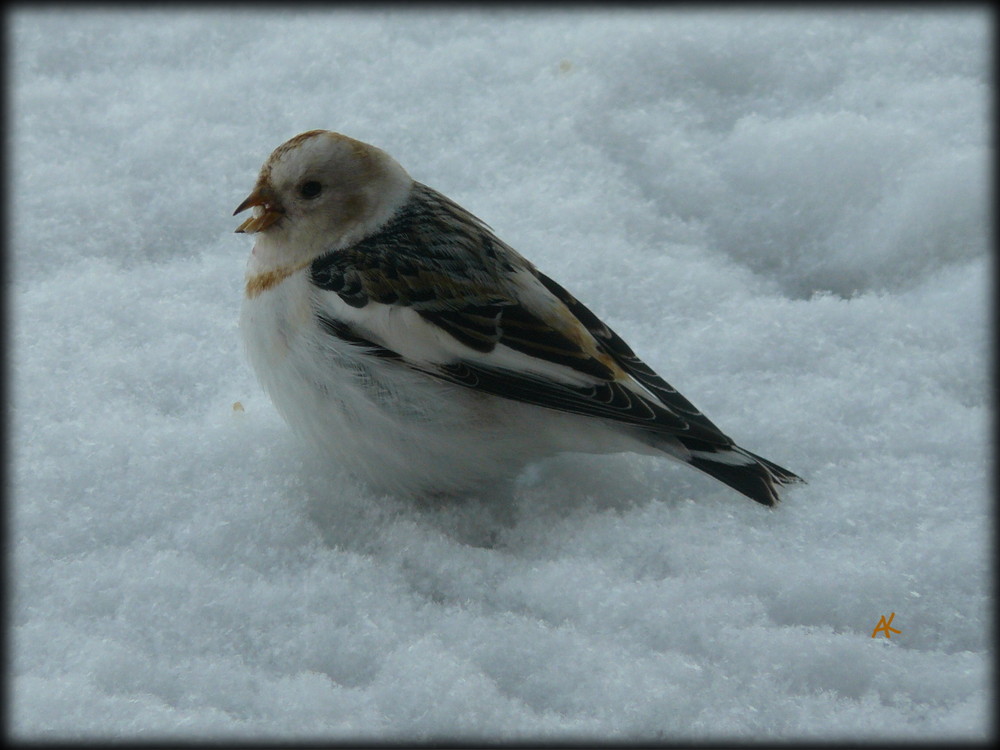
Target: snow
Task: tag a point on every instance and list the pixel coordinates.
(784, 212)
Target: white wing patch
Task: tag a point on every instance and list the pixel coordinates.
(421, 343)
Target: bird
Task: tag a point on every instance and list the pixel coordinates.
(396, 333)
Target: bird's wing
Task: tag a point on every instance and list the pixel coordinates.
(437, 290)
(614, 346)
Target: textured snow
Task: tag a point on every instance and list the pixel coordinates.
(784, 212)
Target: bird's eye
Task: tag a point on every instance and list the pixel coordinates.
(310, 189)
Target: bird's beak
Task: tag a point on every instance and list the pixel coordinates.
(261, 220)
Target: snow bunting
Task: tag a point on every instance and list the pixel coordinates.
(395, 331)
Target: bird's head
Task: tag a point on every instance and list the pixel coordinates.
(317, 192)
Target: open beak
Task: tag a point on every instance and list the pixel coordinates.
(262, 219)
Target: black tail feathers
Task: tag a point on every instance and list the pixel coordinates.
(746, 472)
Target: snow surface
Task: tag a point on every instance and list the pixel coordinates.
(784, 212)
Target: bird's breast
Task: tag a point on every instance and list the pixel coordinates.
(275, 317)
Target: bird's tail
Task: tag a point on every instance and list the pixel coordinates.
(745, 472)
